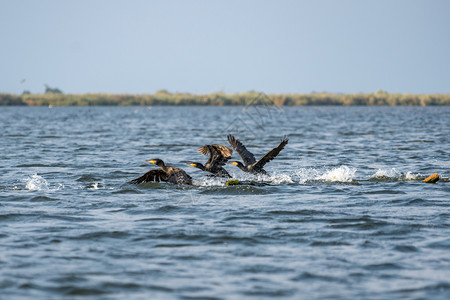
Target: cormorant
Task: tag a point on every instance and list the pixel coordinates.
(218, 156)
(164, 173)
(250, 164)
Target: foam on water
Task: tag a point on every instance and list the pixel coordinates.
(94, 186)
(305, 175)
(341, 174)
(280, 178)
(393, 173)
(210, 181)
(273, 178)
(276, 178)
(410, 176)
(38, 183)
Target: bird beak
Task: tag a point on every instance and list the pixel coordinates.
(234, 163)
(192, 165)
(151, 161)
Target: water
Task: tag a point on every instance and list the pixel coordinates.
(343, 214)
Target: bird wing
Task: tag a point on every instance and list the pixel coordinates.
(203, 150)
(156, 175)
(270, 155)
(208, 149)
(223, 150)
(218, 154)
(178, 176)
(246, 155)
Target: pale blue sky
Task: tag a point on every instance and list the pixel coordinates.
(401, 46)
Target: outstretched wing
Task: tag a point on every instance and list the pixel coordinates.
(222, 150)
(218, 154)
(156, 175)
(270, 155)
(203, 150)
(247, 157)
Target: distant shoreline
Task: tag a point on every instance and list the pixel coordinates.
(379, 98)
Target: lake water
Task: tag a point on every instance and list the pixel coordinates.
(342, 215)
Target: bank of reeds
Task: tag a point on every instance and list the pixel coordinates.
(248, 98)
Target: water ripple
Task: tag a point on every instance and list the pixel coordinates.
(343, 215)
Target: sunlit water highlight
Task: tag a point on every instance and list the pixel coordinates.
(343, 213)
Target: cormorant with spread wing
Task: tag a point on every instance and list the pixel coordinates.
(218, 156)
(250, 164)
(164, 173)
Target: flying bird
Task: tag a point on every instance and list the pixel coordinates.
(218, 156)
(250, 164)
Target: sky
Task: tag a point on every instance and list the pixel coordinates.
(140, 47)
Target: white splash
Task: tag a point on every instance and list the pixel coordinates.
(94, 186)
(390, 173)
(36, 183)
(341, 174)
(304, 175)
(280, 178)
(211, 181)
(410, 176)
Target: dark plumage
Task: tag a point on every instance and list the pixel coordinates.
(250, 164)
(218, 156)
(164, 173)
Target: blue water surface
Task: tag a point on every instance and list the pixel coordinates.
(343, 213)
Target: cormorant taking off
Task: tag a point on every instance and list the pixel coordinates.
(164, 173)
(250, 164)
(218, 156)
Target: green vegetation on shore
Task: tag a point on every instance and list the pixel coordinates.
(249, 98)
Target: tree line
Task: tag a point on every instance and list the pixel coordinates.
(248, 98)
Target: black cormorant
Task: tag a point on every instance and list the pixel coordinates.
(164, 173)
(250, 164)
(218, 156)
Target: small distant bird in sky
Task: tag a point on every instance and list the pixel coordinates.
(23, 80)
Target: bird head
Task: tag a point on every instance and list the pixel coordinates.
(156, 161)
(236, 163)
(196, 165)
